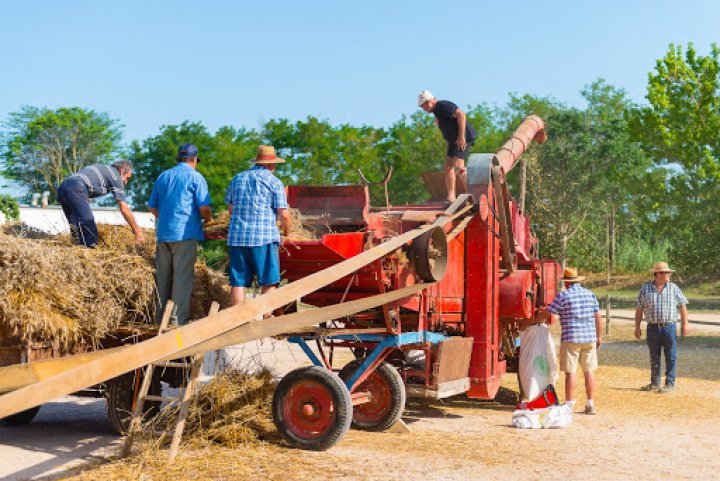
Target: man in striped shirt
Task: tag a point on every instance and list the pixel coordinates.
(659, 303)
(581, 336)
(93, 181)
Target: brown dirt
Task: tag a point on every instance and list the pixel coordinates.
(635, 435)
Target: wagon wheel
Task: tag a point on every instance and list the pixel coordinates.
(312, 408)
(23, 417)
(429, 254)
(120, 392)
(387, 397)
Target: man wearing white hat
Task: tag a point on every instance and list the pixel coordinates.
(659, 302)
(458, 134)
(256, 199)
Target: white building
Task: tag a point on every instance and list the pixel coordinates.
(52, 219)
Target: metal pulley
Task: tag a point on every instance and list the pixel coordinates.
(429, 255)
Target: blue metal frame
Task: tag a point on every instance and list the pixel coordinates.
(384, 341)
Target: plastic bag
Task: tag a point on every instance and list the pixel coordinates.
(548, 418)
(538, 367)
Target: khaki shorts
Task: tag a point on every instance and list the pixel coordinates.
(572, 353)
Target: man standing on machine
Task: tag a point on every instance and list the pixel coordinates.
(458, 134)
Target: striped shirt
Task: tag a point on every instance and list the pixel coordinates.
(101, 179)
(255, 196)
(576, 307)
(660, 307)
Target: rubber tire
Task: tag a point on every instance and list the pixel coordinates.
(342, 405)
(21, 418)
(393, 382)
(119, 394)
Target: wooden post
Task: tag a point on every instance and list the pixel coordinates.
(607, 313)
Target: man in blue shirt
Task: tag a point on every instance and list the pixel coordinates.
(179, 200)
(94, 181)
(581, 335)
(256, 199)
(659, 302)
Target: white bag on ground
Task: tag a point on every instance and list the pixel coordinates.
(538, 367)
(547, 418)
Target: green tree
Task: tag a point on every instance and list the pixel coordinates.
(679, 131)
(43, 146)
(583, 181)
(221, 157)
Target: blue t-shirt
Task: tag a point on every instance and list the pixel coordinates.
(178, 195)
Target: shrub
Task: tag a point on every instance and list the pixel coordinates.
(9, 207)
(637, 255)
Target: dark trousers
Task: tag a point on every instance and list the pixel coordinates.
(662, 339)
(73, 198)
(175, 275)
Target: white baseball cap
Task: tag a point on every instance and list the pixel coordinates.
(424, 96)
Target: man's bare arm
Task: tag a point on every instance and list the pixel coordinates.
(598, 329)
(285, 222)
(461, 118)
(684, 328)
(206, 213)
(638, 319)
(130, 219)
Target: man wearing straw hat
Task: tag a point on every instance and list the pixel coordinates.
(180, 201)
(659, 302)
(581, 336)
(256, 199)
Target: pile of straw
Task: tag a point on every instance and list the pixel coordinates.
(61, 294)
(233, 409)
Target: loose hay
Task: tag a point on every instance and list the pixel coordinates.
(58, 293)
(233, 409)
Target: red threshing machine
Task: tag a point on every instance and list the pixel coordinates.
(458, 335)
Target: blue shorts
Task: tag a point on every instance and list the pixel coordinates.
(248, 262)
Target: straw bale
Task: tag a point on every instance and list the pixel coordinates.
(62, 294)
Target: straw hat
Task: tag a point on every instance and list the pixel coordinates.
(570, 274)
(266, 155)
(661, 267)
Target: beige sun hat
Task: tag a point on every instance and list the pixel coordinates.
(570, 274)
(661, 267)
(266, 155)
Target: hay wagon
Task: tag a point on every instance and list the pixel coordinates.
(120, 392)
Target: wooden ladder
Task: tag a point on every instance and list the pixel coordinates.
(187, 393)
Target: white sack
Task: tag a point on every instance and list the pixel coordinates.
(538, 367)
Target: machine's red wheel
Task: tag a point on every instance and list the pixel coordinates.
(312, 408)
(387, 397)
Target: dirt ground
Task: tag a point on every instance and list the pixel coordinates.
(636, 435)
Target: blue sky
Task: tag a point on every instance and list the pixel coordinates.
(150, 63)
